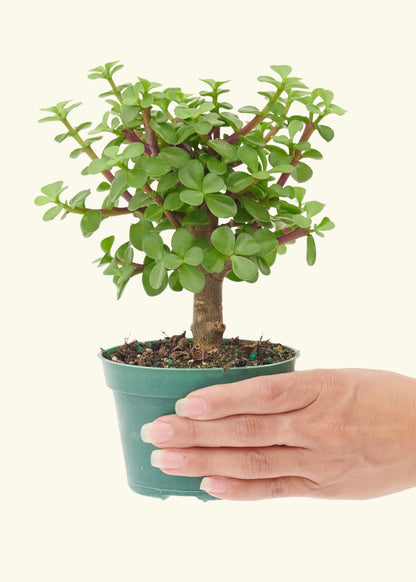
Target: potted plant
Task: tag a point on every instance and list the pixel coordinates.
(208, 200)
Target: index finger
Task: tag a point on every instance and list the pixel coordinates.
(261, 395)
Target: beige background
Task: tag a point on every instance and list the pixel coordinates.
(68, 514)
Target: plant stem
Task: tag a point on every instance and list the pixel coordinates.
(291, 235)
(307, 132)
(115, 89)
(92, 155)
(150, 134)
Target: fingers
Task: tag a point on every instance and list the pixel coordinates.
(261, 395)
(256, 489)
(245, 430)
(248, 463)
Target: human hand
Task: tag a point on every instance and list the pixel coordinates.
(340, 434)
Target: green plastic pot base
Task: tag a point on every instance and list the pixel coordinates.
(165, 493)
(143, 394)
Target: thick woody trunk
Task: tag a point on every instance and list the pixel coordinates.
(207, 325)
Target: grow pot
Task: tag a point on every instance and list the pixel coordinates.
(142, 394)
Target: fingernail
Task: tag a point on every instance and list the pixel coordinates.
(156, 432)
(166, 459)
(190, 407)
(213, 485)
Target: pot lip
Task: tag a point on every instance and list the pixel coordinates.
(158, 370)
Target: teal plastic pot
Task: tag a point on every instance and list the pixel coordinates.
(143, 394)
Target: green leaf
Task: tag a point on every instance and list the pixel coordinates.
(301, 221)
(177, 157)
(192, 174)
(282, 70)
(52, 213)
(136, 178)
(283, 168)
(310, 250)
(326, 224)
(262, 265)
(312, 208)
(133, 150)
(191, 278)
(171, 260)
(249, 109)
(196, 217)
(157, 275)
(191, 197)
(107, 243)
(138, 232)
(202, 127)
(139, 200)
(181, 241)
(326, 132)
(53, 191)
(146, 282)
(244, 268)
(246, 245)
(183, 133)
(129, 113)
(256, 210)
(239, 181)
(225, 149)
(118, 186)
(212, 184)
(156, 167)
(266, 240)
(302, 172)
(294, 127)
(90, 222)
(193, 256)
(216, 166)
(337, 110)
(153, 246)
(78, 201)
(248, 155)
(153, 212)
(221, 205)
(174, 281)
(165, 131)
(42, 200)
(173, 201)
(167, 182)
(223, 240)
(313, 154)
(97, 166)
(213, 261)
(76, 153)
(103, 187)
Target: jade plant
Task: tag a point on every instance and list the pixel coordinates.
(205, 191)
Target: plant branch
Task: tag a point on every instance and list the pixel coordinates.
(138, 267)
(291, 235)
(92, 155)
(307, 132)
(150, 134)
(132, 137)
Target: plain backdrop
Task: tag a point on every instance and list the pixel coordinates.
(67, 511)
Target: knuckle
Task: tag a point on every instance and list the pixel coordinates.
(247, 428)
(267, 393)
(256, 464)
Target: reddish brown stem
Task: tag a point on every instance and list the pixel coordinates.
(307, 132)
(290, 235)
(150, 134)
(234, 137)
(132, 137)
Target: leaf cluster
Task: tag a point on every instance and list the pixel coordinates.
(213, 183)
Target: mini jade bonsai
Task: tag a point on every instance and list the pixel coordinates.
(206, 191)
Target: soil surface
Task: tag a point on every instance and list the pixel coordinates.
(178, 352)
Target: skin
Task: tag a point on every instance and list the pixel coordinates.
(333, 434)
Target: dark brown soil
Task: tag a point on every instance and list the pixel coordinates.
(177, 352)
